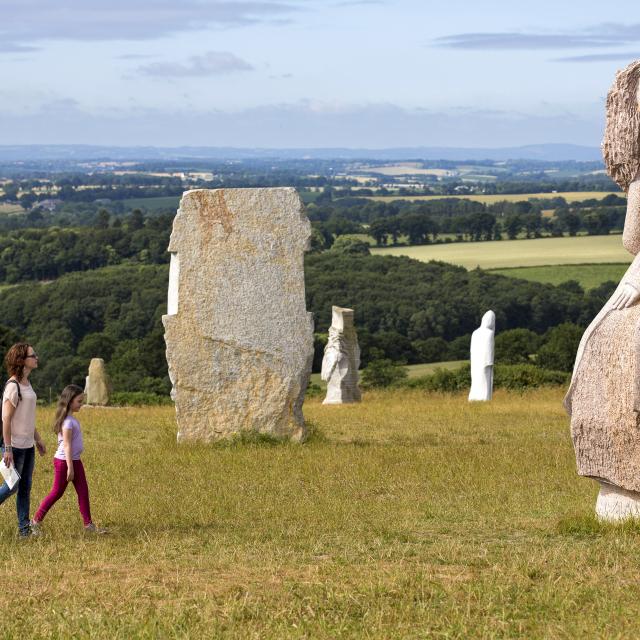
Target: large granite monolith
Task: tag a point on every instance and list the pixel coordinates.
(341, 359)
(239, 338)
(604, 397)
(97, 384)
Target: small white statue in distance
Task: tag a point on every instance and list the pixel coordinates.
(341, 359)
(482, 343)
(97, 384)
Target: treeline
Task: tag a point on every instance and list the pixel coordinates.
(112, 313)
(88, 188)
(423, 222)
(406, 311)
(414, 312)
(48, 253)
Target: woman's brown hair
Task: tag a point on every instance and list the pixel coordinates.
(16, 358)
(69, 393)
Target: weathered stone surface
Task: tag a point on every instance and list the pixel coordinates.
(482, 348)
(604, 397)
(341, 359)
(97, 384)
(239, 338)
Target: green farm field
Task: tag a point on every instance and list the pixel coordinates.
(519, 253)
(588, 275)
(410, 515)
(569, 196)
(153, 204)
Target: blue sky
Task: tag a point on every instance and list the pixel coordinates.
(305, 73)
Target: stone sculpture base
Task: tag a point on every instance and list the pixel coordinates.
(615, 504)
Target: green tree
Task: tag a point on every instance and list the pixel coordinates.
(382, 373)
(136, 220)
(431, 350)
(560, 347)
(351, 246)
(96, 345)
(514, 346)
(513, 225)
(102, 219)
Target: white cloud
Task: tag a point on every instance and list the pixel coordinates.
(597, 36)
(600, 57)
(209, 64)
(34, 21)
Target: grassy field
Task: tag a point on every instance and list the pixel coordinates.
(413, 370)
(388, 523)
(10, 208)
(153, 204)
(588, 275)
(569, 196)
(519, 253)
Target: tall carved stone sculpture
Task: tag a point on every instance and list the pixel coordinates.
(97, 384)
(604, 397)
(482, 347)
(239, 338)
(341, 359)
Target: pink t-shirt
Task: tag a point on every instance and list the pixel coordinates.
(70, 423)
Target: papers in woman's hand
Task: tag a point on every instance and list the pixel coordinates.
(10, 475)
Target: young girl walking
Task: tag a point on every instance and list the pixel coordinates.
(67, 466)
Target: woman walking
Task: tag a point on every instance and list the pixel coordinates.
(19, 428)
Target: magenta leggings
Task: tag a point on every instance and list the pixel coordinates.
(60, 484)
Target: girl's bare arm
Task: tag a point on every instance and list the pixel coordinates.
(66, 441)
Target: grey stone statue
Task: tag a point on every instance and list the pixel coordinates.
(97, 388)
(238, 334)
(341, 359)
(604, 396)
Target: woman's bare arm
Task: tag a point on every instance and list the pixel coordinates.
(7, 415)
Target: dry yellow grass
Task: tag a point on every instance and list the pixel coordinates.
(410, 515)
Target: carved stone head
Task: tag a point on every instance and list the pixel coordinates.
(621, 143)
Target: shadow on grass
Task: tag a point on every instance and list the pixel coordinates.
(255, 438)
(588, 526)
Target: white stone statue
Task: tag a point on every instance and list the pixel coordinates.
(238, 334)
(97, 384)
(341, 359)
(482, 347)
(604, 396)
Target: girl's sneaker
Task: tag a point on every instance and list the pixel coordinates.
(92, 528)
(35, 528)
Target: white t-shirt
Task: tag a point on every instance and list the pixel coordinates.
(23, 422)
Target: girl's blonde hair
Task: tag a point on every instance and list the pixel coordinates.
(621, 143)
(68, 395)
